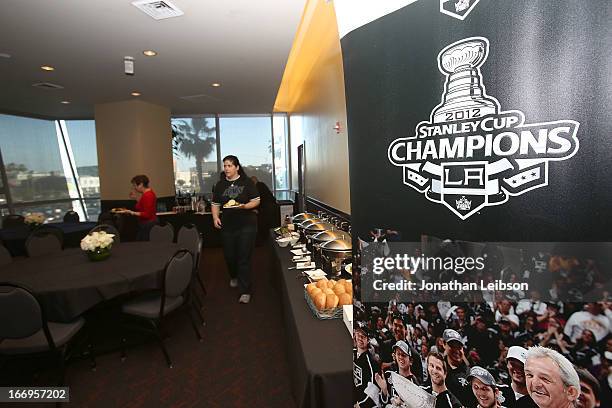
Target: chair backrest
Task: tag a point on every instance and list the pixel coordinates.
(106, 218)
(162, 233)
(44, 241)
(13, 220)
(109, 229)
(20, 312)
(178, 273)
(71, 216)
(5, 256)
(189, 238)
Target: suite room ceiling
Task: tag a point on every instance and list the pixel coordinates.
(242, 44)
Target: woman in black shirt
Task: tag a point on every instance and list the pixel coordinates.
(237, 196)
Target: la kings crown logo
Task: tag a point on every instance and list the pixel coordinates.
(471, 154)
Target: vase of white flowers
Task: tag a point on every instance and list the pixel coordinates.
(97, 245)
(34, 220)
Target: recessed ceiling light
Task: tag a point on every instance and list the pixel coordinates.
(149, 53)
(4, 55)
(65, 102)
(47, 68)
(135, 93)
(215, 84)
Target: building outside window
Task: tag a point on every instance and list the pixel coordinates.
(41, 167)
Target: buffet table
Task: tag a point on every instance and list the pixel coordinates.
(319, 351)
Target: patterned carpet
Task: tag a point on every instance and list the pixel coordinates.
(241, 363)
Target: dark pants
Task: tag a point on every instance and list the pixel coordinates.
(238, 247)
(144, 228)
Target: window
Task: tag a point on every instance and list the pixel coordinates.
(281, 151)
(250, 139)
(32, 161)
(49, 167)
(195, 154)
(81, 138)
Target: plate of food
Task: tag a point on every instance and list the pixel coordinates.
(119, 210)
(232, 204)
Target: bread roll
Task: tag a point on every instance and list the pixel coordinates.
(339, 289)
(345, 299)
(322, 284)
(342, 281)
(331, 301)
(348, 287)
(319, 301)
(331, 283)
(328, 291)
(310, 287)
(315, 292)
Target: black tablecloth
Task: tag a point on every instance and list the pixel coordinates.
(68, 283)
(319, 351)
(14, 238)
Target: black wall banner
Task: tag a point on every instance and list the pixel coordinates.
(482, 120)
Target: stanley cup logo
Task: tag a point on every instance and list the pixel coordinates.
(471, 154)
(463, 91)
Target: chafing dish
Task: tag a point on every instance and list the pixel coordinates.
(317, 227)
(335, 252)
(318, 239)
(302, 217)
(329, 235)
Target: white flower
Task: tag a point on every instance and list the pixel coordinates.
(98, 239)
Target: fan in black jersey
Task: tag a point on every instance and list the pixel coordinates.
(365, 393)
(437, 371)
(402, 356)
(517, 395)
(457, 367)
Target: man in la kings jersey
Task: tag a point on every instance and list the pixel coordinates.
(437, 372)
(457, 367)
(365, 392)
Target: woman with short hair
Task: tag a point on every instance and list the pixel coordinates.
(146, 206)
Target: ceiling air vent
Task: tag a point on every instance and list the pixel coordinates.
(159, 10)
(47, 85)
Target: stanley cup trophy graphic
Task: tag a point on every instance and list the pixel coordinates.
(464, 95)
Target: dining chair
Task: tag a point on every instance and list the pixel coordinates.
(162, 233)
(44, 240)
(5, 256)
(26, 332)
(13, 220)
(72, 217)
(109, 229)
(174, 293)
(190, 238)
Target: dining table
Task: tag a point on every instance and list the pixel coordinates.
(68, 283)
(14, 238)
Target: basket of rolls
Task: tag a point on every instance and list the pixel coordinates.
(326, 297)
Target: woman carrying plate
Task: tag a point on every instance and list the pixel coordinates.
(238, 196)
(146, 206)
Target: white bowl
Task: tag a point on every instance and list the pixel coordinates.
(283, 242)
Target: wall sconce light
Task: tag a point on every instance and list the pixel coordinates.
(337, 128)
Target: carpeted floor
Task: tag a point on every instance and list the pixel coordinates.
(241, 363)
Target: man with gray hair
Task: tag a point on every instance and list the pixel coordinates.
(552, 381)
